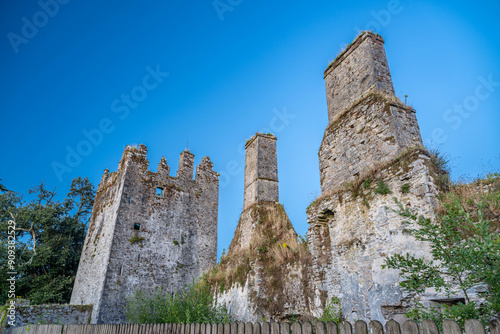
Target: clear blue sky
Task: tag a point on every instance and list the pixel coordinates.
(232, 67)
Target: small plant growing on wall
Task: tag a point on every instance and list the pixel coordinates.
(367, 183)
(136, 238)
(332, 312)
(382, 188)
(405, 188)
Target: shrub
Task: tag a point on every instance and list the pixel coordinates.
(194, 304)
(439, 160)
(382, 188)
(332, 312)
(465, 253)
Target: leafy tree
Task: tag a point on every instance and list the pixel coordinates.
(49, 240)
(465, 253)
(195, 303)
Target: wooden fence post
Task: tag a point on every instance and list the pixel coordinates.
(360, 327)
(241, 327)
(266, 328)
(331, 328)
(376, 327)
(320, 327)
(307, 327)
(234, 328)
(275, 327)
(296, 328)
(220, 328)
(248, 328)
(410, 327)
(345, 327)
(495, 326)
(429, 327)
(285, 328)
(473, 326)
(256, 328)
(451, 327)
(392, 327)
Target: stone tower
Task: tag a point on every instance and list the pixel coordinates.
(253, 285)
(261, 170)
(147, 230)
(367, 122)
(372, 141)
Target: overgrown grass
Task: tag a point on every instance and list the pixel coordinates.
(274, 248)
(441, 164)
(193, 304)
(332, 312)
(481, 197)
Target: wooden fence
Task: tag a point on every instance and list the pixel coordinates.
(360, 327)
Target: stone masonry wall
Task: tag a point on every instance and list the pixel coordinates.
(53, 314)
(375, 129)
(261, 170)
(371, 137)
(162, 232)
(360, 68)
(361, 231)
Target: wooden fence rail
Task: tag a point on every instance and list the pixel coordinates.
(359, 327)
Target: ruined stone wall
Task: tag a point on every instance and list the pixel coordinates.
(362, 230)
(261, 170)
(372, 138)
(265, 273)
(361, 67)
(375, 129)
(163, 233)
(92, 269)
(53, 314)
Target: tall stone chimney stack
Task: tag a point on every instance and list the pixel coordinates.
(362, 67)
(261, 170)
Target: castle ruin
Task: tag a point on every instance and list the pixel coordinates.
(371, 153)
(147, 230)
(150, 229)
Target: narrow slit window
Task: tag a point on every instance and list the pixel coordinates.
(159, 191)
(137, 226)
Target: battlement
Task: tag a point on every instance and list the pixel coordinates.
(361, 67)
(261, 170)
(138, 156)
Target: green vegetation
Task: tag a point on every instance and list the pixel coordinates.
(274, 246)
(50, 236)
(332, 312)
(193, 304)
(405, 188)
(465, 250)
(441, 163)
(367, 183)
(136, 238)
(382, 188)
